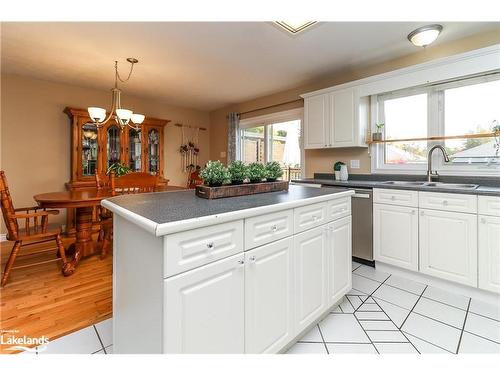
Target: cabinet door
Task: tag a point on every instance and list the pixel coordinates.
(342, 122)
(88, 146)
(269, 297)
(113, 145)
(133, 151)
(153, 150)
(204, 309)
(395, 235)
(448, 245)
(311, 276)
(339, 259)
(316, 122)
(489, 253)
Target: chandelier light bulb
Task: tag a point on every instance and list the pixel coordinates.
(124, 115)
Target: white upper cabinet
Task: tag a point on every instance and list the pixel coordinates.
(316, 121)
(335, 119)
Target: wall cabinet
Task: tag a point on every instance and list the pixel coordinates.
(269, 298)
(204, 309)
(489, 253)
(395, 235)
(335, 119)
(311, 275)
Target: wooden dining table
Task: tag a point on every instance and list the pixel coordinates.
(84, 201)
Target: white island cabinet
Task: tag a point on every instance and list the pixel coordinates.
(250, 276)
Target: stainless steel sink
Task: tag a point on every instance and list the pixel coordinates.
(438, 185)
(404, 183)
(444, 185)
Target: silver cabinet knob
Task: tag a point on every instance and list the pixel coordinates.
(413, 212)
(253, 258)
(314, 218)
(210, 245)
(483, 220)
(274, 228)
(393, 197)
(241, 261)
(445, 202)
(421, 213)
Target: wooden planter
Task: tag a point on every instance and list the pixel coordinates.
(226, 191)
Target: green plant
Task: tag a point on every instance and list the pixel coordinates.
(214, 174)
(238, 171)
(118, 169)
(337, 165)
(380, 126)
(273, 171)
(256, 172)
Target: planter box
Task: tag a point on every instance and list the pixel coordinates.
(226, 191)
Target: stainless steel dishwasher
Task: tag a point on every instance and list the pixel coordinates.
(362, 225)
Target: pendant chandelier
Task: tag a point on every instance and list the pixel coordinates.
(122, 116)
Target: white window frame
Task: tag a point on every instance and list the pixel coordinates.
(435, 127)
(273, 118)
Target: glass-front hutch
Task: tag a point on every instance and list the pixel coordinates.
(95, 149)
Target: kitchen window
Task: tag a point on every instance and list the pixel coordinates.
(275, 137)
(461, 107)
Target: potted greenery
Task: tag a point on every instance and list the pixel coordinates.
(336, 168)
(273, 171)
(118, 169)
(256, 172)
(377, 136)
(238, 172)
(214, 174)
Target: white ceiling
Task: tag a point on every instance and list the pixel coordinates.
(205, 65)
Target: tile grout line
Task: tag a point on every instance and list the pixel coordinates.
(366, 334)
(322, 338)
(99, 338)
(463, 326)
(411, 310)
(428, 342)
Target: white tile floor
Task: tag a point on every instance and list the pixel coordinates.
(381, 314)
(389, 314)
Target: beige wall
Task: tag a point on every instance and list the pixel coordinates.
(35, 143)
(322, 160)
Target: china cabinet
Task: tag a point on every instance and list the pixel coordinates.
(94, 150)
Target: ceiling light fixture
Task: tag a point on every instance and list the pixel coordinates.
(425, 35)
(122, 116)
(294, 27)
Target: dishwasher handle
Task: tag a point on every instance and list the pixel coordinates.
(361, 195)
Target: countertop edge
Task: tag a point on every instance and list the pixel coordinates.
(160, 230)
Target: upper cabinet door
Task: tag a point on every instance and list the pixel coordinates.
(153, 151)
(316, 122)
(342, 121)
(134, 150)
(113, 145)
(448, 245)
(88, 157)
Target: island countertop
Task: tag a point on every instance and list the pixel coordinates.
(168, 212)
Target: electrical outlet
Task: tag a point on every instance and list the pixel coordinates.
(3, 237)
(222, 154)
(354, 164)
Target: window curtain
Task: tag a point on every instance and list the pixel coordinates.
(233, 137)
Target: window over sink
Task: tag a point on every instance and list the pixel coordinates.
(464, 106)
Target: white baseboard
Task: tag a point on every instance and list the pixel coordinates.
(465, 290)
(3, 237)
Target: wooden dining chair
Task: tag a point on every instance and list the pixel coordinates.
(131, 183)
(36, 229)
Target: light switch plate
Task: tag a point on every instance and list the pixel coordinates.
(354, 164)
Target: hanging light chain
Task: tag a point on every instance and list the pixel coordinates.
(132, 62)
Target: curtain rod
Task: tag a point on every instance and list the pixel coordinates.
(189, 126)
(270, 106)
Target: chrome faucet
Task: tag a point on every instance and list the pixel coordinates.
(430, 172)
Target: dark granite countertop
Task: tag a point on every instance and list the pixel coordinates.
(376, 181)
(163, 208)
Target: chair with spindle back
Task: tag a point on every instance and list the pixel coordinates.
(131, 183)
(36, 229)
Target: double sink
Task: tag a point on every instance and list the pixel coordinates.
(437, 185)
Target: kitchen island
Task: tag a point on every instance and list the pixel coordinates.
(246, 274)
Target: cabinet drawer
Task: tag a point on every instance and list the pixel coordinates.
(310, 216)
(488, 205)
(263, 229)
(194, 248)
(448, 202)
(396, 197)
(338, 208)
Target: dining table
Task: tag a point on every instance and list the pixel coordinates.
(84, 201)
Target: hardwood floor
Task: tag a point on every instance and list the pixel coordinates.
(39, 300)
